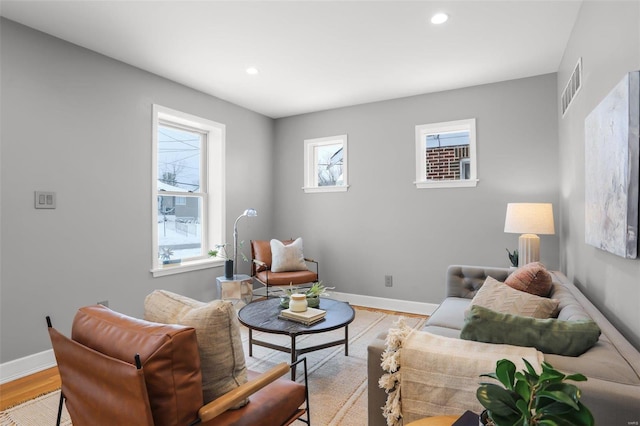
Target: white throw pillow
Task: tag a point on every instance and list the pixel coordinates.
(286, 258)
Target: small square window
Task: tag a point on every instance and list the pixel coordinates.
(325, 164)
(446, 154)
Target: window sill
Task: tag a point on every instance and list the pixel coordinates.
(192, 265)
(313, 189)
(467, 183)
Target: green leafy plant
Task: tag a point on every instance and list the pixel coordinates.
(529, 399)
(317, 289)
(222, 250)
(513, 257)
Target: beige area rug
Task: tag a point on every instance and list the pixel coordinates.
(337, 383)
(39, 411)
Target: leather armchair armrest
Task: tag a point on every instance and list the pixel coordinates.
(231, 398)
(260, 263)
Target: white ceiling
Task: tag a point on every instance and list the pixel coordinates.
(314, 55)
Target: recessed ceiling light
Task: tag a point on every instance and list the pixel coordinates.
(439, 18)
(252, 70)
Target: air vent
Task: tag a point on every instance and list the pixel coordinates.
(571, 89)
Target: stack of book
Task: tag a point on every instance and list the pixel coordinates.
(308, 317)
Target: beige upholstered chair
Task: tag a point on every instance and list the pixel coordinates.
(263, 270)
(121, 370)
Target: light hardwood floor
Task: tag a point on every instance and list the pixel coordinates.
(29, 387)
(48, 380)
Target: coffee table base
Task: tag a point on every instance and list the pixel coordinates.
(297, 352)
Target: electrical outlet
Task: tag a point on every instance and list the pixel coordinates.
(388, 280)
(104, 303)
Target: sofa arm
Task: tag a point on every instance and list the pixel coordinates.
(377, 396)
(464, 281)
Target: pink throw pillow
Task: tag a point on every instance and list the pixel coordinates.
(532, 278)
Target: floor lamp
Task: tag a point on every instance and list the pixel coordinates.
(529, 219)
(249, 213)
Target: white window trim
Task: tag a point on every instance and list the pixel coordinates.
(421, 166)
(310, 175)
(214, 155)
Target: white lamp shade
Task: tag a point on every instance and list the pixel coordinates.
(529, 218)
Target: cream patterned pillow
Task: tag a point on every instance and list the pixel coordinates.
(286, 258)
(499, 297)
(218, 333)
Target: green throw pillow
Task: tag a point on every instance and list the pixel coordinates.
(551, 336)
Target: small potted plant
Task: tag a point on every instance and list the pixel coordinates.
(221, 251)
(165, 256)
(513, 257)
(313, 294)
(528, 399)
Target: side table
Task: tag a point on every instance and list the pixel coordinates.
(236, 289)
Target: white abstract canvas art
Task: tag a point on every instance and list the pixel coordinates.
(611, 170)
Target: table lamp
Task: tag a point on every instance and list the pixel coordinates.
(249, 213)
(529, 219)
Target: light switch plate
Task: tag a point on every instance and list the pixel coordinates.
(45, 200)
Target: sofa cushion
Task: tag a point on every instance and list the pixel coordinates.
(219, 340)
(169, 356)
(499, 297)
(450, 313)
(550, 336)
(532, 278)
(287, 257)
(602, 361)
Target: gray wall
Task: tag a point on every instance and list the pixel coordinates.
(383, 224)
(78, 123)
(607, 37)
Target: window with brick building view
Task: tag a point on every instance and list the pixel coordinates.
(445, 154)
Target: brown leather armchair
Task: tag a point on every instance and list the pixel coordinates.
(261, 267)
(117, 369)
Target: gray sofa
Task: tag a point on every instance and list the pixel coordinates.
(612, 391)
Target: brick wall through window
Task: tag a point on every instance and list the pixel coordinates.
(443, 163)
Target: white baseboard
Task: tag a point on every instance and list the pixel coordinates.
(27, 365)
(407, 306)
(31, 364)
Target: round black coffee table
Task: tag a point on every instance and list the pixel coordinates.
(262, 315)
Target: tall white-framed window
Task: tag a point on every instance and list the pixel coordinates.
(187, 178)
(446, 154)
(325, 164)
